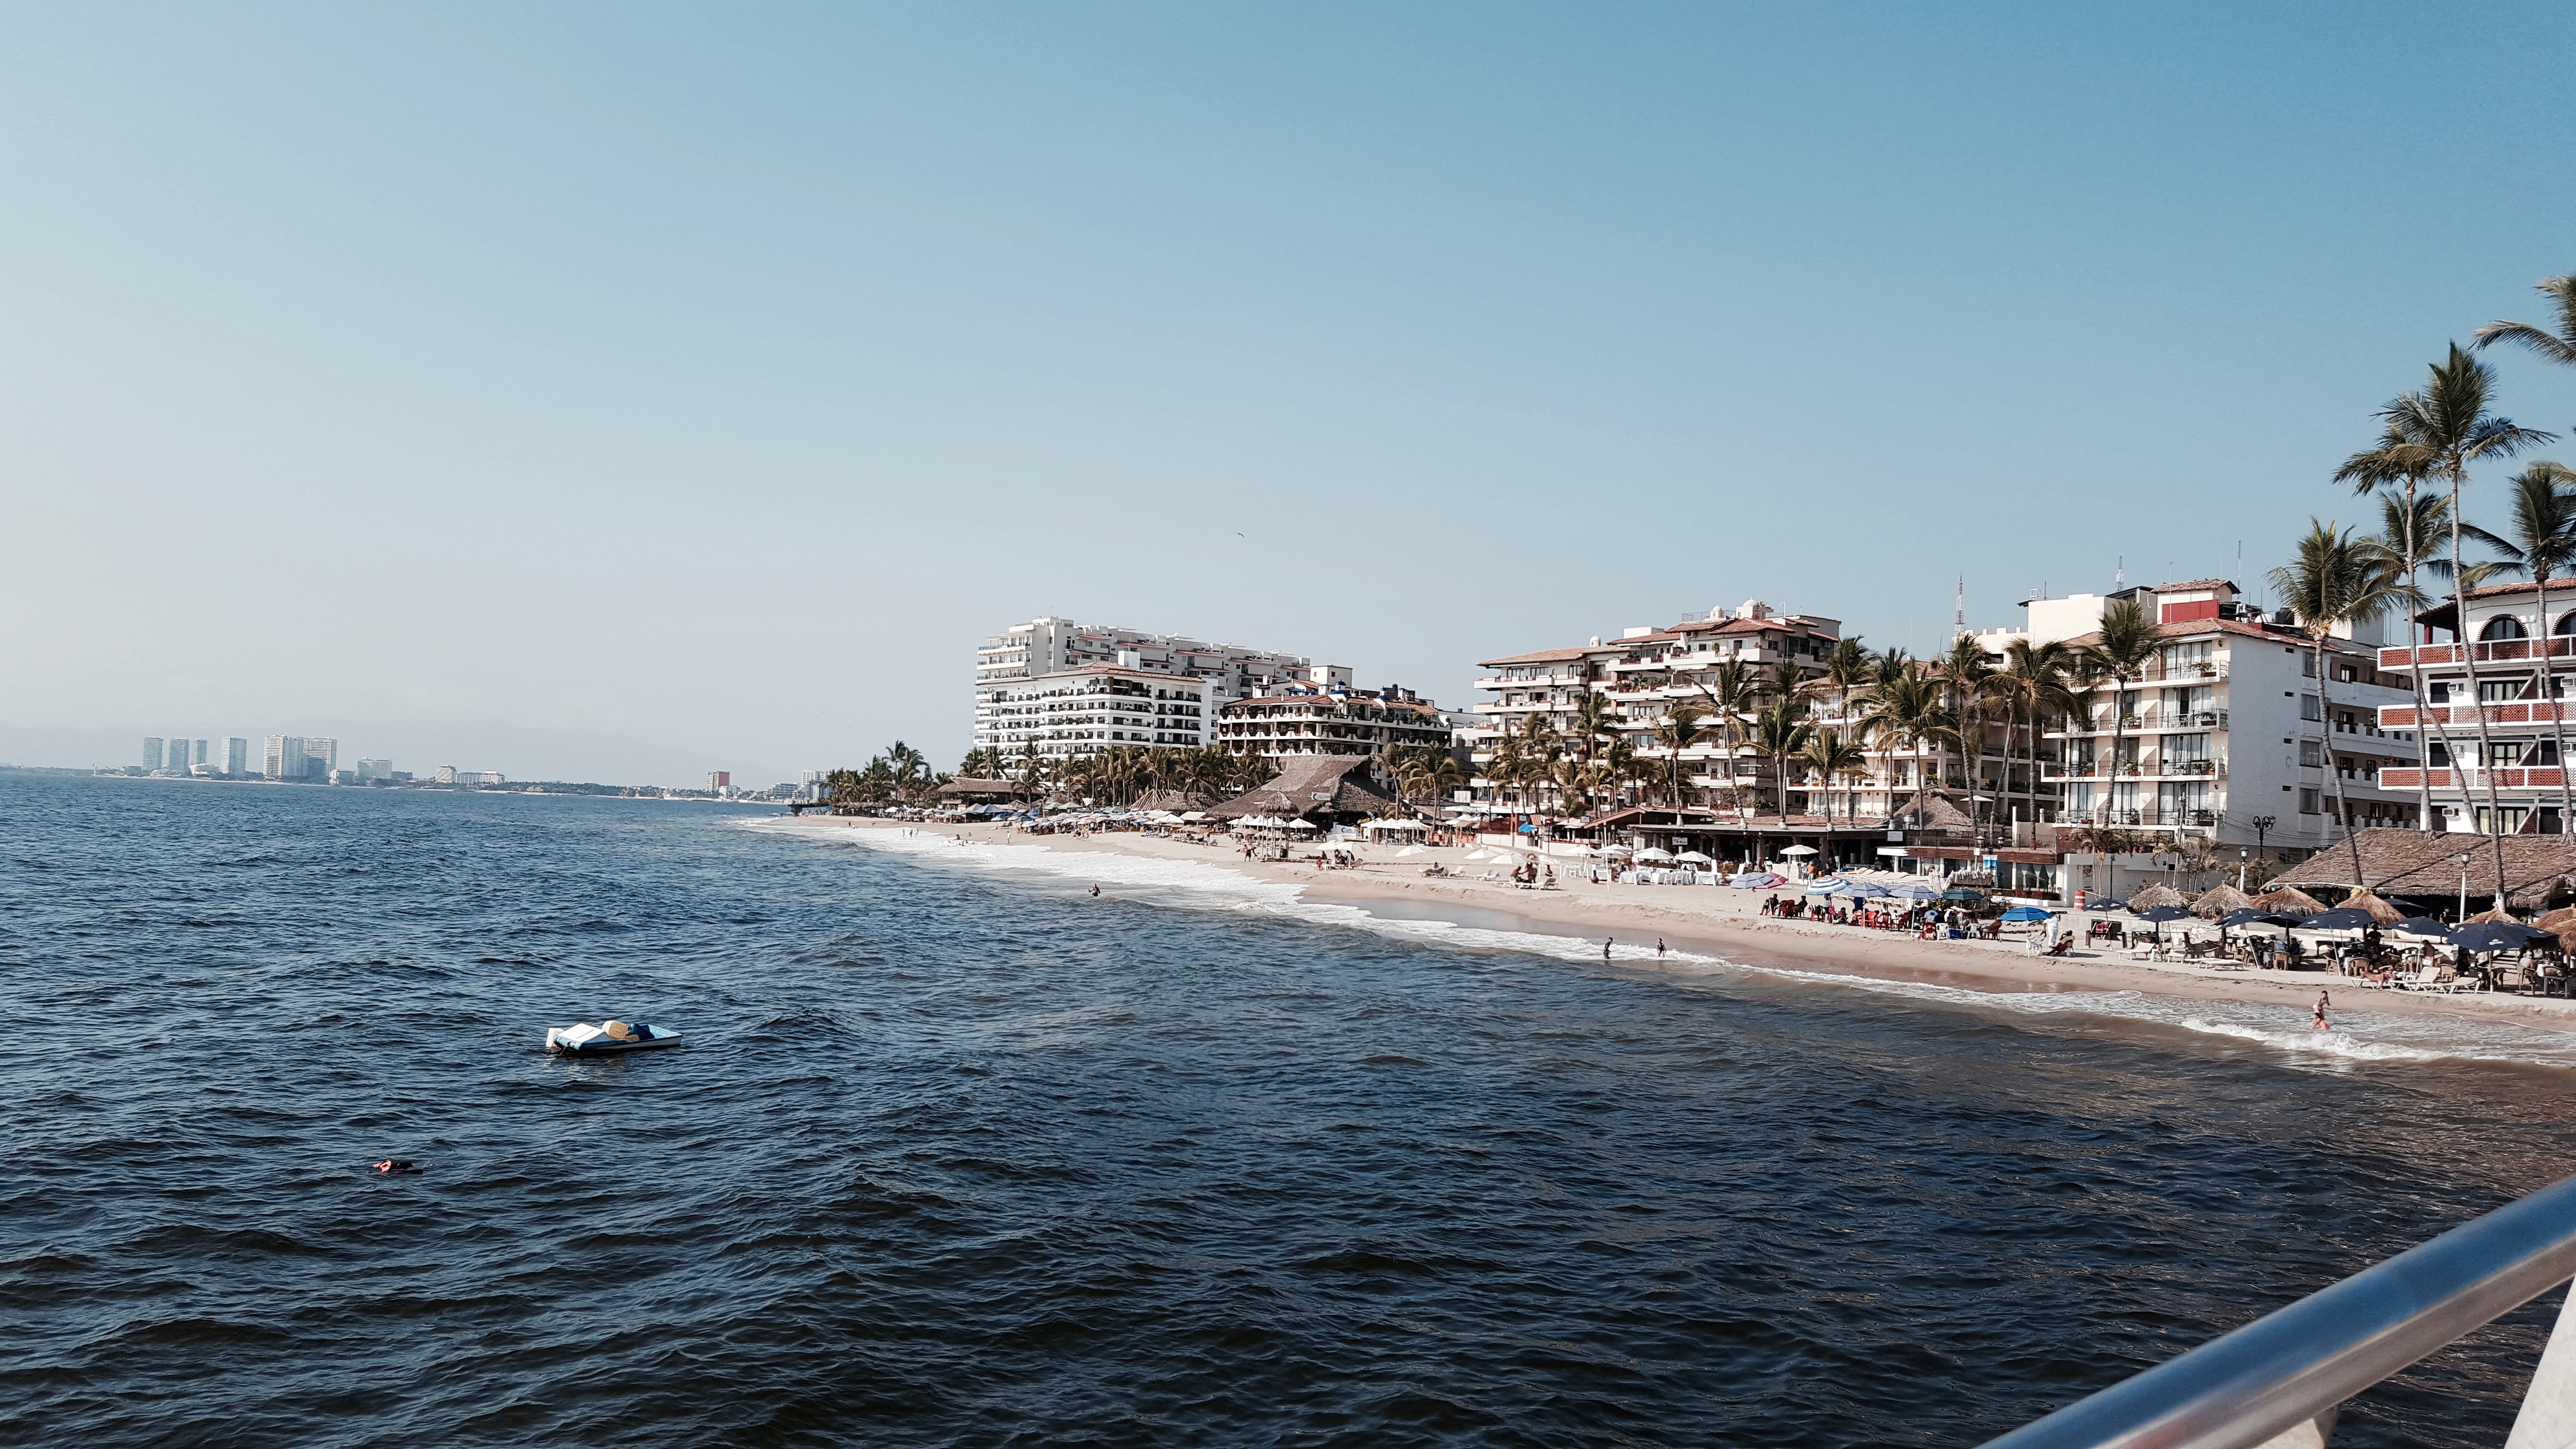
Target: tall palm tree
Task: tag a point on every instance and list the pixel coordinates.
(1905, 710)
(2031, 680)
(2542, 543)
(1780, 731)
(1966, 669)
(1731, 690)
(2448, 419)
(1678, 729)
(2127, 640)
(2334, 582)
(2558, 346)
(1830, 753)
(2412, 524)
(1848, 670)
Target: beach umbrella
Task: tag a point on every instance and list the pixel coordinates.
(1826, 886)
(2420, 926)
(1695, 858)
(1410, 850)
(1651, 855)
(2253, 916)
(2339, 919)
(1863, 889)
(2218, 900)
(2158, 915)
(2499, 936)
(1799, 850)
(2026, 913)
(2289, 901)
(1914, 891)
(2380, 911)
(2157, 895)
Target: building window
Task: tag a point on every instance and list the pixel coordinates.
(2309, 709)
(2307, 800)
(2307, 664)
(2312, 754)
(2504, 626)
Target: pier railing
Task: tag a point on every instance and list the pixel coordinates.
(2279, 1381)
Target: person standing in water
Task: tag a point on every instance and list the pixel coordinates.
(1659, 948)
(2322, 1004)
(1605, 948)
(1095, 890)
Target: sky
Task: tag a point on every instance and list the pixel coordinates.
(620, 392)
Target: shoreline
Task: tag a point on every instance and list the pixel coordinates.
(1726, 923)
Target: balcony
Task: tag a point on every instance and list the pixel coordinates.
(2502, 777)
(2500, 651)
(2133, 819)
(2151, 721)
(2466, 716)
(2158, 672)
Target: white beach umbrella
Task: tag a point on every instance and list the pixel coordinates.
(1301, 824)
(1695, 858)
(1651, 854)
(1799, 850)
(1411, 850)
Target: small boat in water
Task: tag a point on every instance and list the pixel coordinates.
(607, 1039)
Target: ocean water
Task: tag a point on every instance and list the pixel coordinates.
(958, 1154)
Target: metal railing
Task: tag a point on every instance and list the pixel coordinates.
(2298, 1365)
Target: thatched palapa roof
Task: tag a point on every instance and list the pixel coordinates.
(2218, 900)
(2157, 895)
(2537, 868)
(2288, 901)
(1342, 781)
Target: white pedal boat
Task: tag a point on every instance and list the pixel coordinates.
(586, 1040)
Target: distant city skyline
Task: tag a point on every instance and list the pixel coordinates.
(633, 394)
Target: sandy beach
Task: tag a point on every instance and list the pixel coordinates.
(1718, 921)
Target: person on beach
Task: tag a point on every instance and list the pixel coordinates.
(1605, 948)
(2321, 1012)
(1659, 947)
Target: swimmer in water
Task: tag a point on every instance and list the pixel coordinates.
(2322, 1003)
(392, 1165)
(1095, 890)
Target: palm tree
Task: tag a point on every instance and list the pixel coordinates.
(1678, 730)
(1905, 709)
(2032, 679)
(1730, 691)
(2558, 346)
(1847, 671)
(2127, 640)
(1966, 669)
(2542, 543)
(2410, 525)
(1829, 753)
(2448, 420)
(1780, 731)
(2336, 582)
(2084, 674)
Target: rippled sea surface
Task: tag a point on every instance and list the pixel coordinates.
(958, 1154)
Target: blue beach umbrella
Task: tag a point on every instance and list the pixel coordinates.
(2499, 936)
(1914, 891)
(2255, 916)
(2421, 926)
(2026, 913)
(1863, 890)
(2158, 915)
(2345, 919)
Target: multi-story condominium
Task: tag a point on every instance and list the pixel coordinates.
(151, 752)
(236, 755)
(375, 770)
(200, 754)
(321, 757)
(1085, 710)
(284, 758)
(2493, 747)
(1639, 676)
(1313, 720)
(1216, 672)
(2227, 735)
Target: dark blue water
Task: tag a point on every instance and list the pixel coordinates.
(958, 1158)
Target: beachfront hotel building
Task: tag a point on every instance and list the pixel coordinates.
(1088, 709)
(2492, 744)
(2228, 736)
(1212, 673)
(1330, 719)
(1641, 674)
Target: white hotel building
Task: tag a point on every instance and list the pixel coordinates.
(1064, 689)
(2228, 735)
(2512, 780)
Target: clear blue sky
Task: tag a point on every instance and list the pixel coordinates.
(612, 392)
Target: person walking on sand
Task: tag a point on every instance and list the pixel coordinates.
(2322, 1004)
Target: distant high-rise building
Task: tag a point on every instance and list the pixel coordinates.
(176, 761)
(152, 752)
(200, 754)
(719, 780)
(321, 757)
(236, 755)
(443, 775)
(375, 769)
(285, 758)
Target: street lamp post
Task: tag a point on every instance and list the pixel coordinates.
(2243, 859)
(2464, 890)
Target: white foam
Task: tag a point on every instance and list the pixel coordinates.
(2371, 1037)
